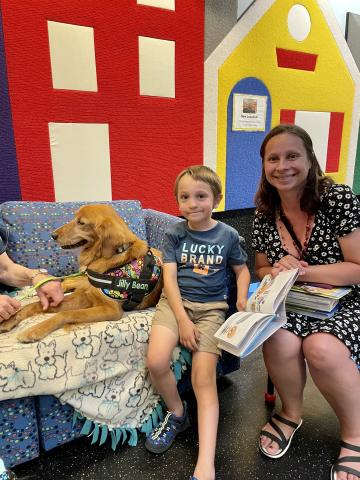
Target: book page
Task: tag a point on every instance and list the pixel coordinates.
(240, 327)
(271, 292)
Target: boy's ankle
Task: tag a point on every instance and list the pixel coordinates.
(182, 411)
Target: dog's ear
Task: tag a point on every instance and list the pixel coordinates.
(113, 234)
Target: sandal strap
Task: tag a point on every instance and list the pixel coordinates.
(349, 446)
(279, 441)
(343, 468)
(285, 421)
(347, 459)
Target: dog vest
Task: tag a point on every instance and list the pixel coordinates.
(131, 282)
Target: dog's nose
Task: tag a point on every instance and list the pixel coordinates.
(54, 236)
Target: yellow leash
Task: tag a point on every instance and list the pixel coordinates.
(29, 292)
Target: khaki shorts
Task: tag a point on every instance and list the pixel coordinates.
(208, 317)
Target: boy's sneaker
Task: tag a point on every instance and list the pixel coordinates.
(163, 436)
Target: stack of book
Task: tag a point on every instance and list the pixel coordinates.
(315, 300)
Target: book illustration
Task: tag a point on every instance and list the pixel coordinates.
(260, 295)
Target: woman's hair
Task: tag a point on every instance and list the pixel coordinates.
(203, 174)
(267, 199)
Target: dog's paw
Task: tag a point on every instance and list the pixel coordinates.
(8, 324)
(30, 335)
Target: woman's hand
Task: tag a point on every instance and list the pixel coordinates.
(189, 334)
(289, 262)
(8, 307)
(50, 294)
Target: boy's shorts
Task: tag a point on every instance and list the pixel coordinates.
(207, 317)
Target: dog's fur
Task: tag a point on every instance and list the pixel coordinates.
(99, 231)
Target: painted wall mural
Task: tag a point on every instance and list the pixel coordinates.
(100, 103)
(282, 62)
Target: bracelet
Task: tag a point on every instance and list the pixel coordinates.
(39, 271)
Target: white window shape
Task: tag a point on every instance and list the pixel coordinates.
(168, 4)
(80, 156)
(299, 22)
(157, 67)
(72, 56)
(317, 126)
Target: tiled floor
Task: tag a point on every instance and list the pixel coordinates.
(242, 415)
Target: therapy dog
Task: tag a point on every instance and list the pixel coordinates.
(122, 273)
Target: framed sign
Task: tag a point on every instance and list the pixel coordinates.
(249, 112)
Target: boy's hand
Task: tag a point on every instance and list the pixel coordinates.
(241, 304)
(188, 334)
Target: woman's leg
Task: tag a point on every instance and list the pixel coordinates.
(285, 364)
(162, 343)
(203, 376)
(338, 379)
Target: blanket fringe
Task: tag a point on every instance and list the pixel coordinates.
(101, 432)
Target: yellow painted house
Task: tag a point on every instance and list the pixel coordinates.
(282, 62)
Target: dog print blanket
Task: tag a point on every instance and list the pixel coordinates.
(99, 369)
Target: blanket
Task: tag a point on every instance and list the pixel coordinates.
(99, 369)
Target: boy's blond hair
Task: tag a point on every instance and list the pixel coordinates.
(203, 174)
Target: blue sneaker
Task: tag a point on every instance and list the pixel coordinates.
(163, 436)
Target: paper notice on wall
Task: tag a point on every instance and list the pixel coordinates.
(249, 112)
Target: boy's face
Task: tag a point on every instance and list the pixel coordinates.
(196, 202)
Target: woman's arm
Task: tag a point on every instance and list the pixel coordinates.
(262, 265)
(188, 332)
(342, 273)
(17, 275)
(338, 274)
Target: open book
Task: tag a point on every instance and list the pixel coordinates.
(265, 313)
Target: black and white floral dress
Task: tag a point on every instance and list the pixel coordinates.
(338, 215)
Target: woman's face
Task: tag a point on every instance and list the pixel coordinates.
(286, 163)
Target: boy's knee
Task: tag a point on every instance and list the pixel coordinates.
(157, 366)
(203, 381)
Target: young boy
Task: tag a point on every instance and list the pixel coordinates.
(191, 309)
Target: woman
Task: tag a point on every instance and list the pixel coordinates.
(50, 293)
(305, 221)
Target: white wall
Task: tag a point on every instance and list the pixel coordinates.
(340, 7)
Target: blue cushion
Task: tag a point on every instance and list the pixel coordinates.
(19, 440)
(31, 225)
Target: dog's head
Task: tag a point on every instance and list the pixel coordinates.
(98, 229)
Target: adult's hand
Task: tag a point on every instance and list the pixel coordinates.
(287, 263)
(50, 294)
(8, 307)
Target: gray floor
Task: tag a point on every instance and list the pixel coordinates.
(242, 414)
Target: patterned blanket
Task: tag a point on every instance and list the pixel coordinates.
(99, 369)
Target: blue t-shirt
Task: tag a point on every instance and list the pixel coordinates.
(202, 258)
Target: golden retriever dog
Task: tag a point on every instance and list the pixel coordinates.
(106, 242)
